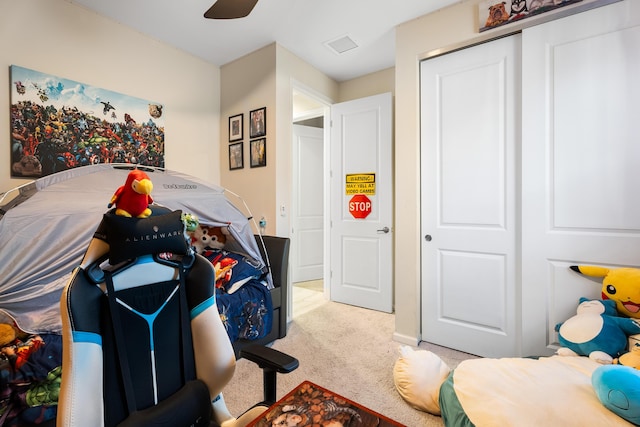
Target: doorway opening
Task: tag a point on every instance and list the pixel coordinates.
(307, 296)
(308, 201)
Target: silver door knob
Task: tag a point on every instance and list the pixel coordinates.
(384, 230)
(427, 237)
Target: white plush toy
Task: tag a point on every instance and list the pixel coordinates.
(418, 375)
(596, 331)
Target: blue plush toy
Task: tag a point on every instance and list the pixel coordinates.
(618, 388)
(596, 331)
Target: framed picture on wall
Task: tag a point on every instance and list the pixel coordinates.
(236, 156)
(258, 153)
(258, 122)
(236, 124)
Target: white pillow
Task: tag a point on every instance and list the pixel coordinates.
(418, 375)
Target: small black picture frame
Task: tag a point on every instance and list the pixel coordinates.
(236, 126)
(258, 122)
(258, 153)
(236, 156)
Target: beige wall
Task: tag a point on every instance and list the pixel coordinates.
(414, 39)
(249, 83)
(56, 37)
(293, 71)
(265, 78)
(382, 81)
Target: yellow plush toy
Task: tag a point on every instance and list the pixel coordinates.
(7, 334)
(631, 358)
(621, 285)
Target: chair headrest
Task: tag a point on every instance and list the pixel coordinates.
(130, 238)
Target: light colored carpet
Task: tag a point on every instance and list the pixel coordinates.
(346, 349)
(307, 296)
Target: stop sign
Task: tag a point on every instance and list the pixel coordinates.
(360, 206)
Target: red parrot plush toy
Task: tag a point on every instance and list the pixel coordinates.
(133, 199)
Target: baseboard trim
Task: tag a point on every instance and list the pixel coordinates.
(406, 339)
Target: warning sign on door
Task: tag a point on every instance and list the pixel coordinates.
(360, 183)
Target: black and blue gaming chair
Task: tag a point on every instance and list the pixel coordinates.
(143, 343)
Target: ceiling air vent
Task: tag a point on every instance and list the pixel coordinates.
(341, 44)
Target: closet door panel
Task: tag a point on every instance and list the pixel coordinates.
(580, 157)
(593, 140)
(469, 110)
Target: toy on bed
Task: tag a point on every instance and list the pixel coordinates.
(133, 198)
(29, 376)
(596, 331)
(618, 385)
(533, 391)
(618, 388)
(204, 237)
(621, 285)
(526, 392)
(631, 358)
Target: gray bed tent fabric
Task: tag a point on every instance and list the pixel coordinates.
(46, 227)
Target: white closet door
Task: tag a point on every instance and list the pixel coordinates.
(580, 160)
(469, 143)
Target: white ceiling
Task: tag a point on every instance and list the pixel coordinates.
(301, 26)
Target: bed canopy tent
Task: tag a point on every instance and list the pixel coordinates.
(46, 225)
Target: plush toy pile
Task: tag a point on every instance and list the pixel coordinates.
(617, 383)
(606, 331)
(30, 375)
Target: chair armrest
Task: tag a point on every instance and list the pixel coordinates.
(269, 358)
(271, 362)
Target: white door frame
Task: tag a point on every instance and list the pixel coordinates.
(325, 112)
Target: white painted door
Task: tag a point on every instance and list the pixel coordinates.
(581, 157)
(469, 143)
(307, 249)
(361, 228)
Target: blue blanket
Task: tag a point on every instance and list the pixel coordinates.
(248, 312)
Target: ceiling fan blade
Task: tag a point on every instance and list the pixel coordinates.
(230, 9)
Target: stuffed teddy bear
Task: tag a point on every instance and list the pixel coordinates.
(596, 331)
(205, 237)
(621, 285)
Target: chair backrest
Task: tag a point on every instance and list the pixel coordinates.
(275, 247)
(142, 328)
